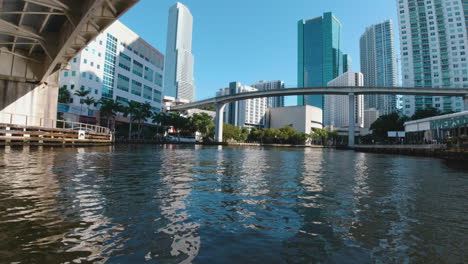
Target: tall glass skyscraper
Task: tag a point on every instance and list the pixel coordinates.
(178, 73)
(320, 58)
(433, 35)
(378, 64)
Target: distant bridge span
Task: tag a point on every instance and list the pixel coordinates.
(220, 101)
(342, 90)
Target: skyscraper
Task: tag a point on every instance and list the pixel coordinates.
(272, 102)
(178, 77)
(245, 113)
(320, 58)
(337, 106)
(433, 36)
(378, 64)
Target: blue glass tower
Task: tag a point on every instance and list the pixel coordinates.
(320, 58)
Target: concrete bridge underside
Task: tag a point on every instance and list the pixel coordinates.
(37, 39)
(221, 101)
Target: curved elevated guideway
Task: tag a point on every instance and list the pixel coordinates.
(221, 101)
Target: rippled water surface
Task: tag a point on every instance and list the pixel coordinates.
(173, 204)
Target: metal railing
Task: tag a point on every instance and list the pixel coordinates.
(34, 121)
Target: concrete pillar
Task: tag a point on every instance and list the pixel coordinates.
(219, 122)
(352, 120)
(31, 104)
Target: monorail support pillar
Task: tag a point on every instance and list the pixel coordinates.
(219, 122)
(352, 120)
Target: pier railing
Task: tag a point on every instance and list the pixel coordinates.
(32, 121)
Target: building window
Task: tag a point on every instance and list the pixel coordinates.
(72, 86)
(148, 74)
(147, 92)
(158, 79)
(65, 74)
(125, 61)
(137, 68)
(123, 83)
(156, 96)
(136, 88)
(85, 61)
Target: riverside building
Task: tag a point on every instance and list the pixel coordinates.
(178, 77)
(245, 113)
(337, 106)
(378, 64)
(116, 65)
(272, 102)
(433, 36)
(320, 56)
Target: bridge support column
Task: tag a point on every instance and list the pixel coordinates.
(31, 104)
(352, 119)
(219, 122)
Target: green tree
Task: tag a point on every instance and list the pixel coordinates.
(109, 109)
(202, 123)
(162, 120)
(425, 113)
(130, 111)
(385, 123)
(64, 95)
(89, 101)
(81, 93)
(319, 135)
(141, 115)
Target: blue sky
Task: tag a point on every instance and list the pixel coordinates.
(251, 40)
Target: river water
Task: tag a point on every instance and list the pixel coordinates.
(196, 204)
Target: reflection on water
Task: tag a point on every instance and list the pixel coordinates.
(184, 204)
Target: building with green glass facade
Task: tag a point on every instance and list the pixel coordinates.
(320, 56)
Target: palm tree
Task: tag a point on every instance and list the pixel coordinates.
(130, 111)
(162, 119)
(64, 95)
(142, 114)
(81, 93)
(109, 109)
(89, 101)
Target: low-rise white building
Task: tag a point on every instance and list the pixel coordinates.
(116, 65)
(301, 118)
(245, 113)
(336, 111)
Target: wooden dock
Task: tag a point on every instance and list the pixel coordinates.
(13, 134)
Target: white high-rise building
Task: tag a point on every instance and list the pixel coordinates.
(337, 106)
(117, 65)
(178, 77)
(245, 113)
(434, 50)
(378, 64)
(272, 102)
